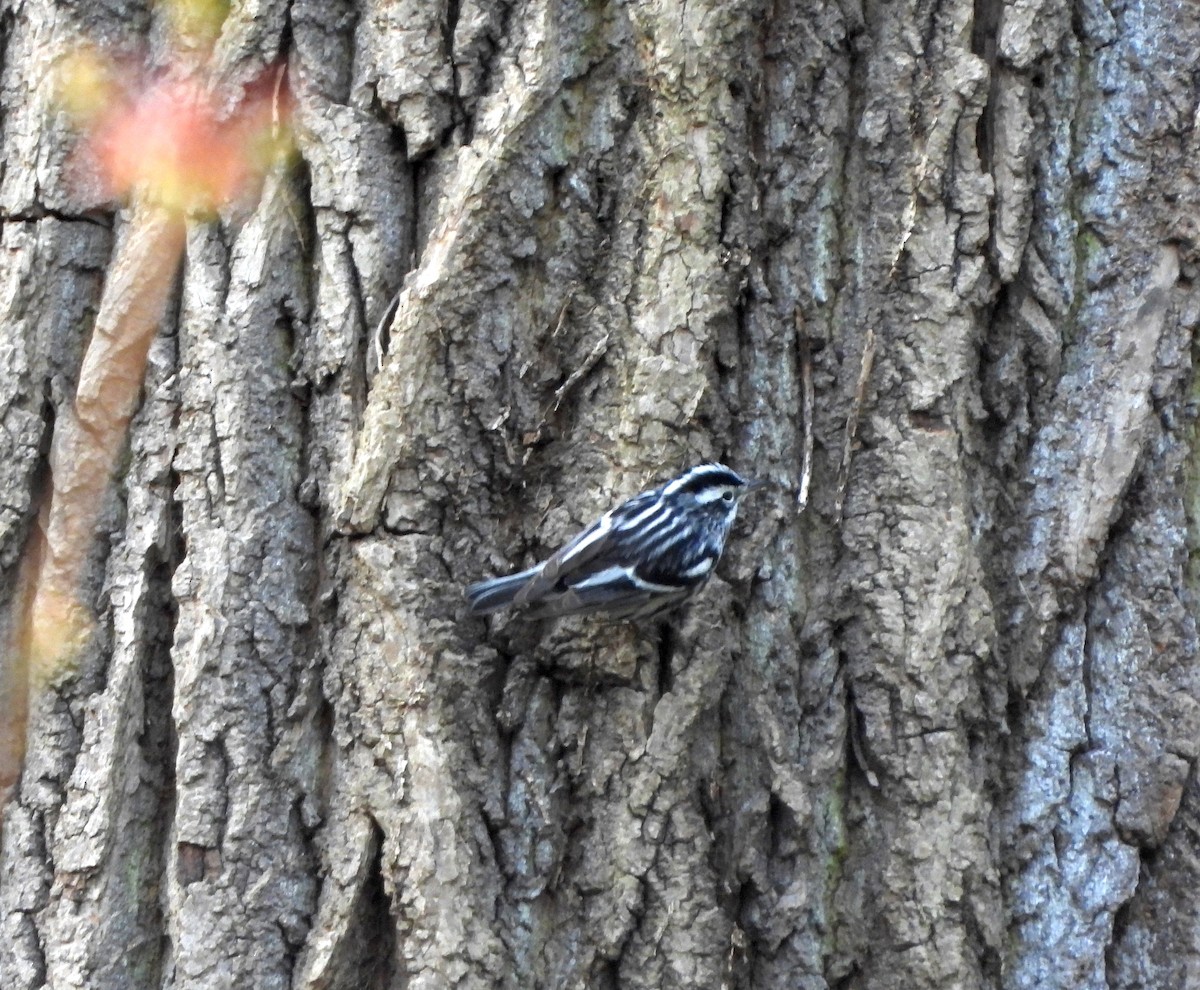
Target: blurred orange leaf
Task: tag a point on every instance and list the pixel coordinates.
(171, 141)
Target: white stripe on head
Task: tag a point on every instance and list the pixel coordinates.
(716, 473)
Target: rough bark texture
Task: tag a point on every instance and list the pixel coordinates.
(939, 730)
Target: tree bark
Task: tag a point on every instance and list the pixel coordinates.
(938, 729)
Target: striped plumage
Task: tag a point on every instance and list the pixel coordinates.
(644, 557)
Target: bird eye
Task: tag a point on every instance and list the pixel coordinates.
(727, 496)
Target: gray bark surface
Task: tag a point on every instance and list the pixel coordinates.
(938, 730)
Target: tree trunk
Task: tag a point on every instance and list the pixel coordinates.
(938, 729)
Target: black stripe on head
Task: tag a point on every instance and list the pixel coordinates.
(706, 476)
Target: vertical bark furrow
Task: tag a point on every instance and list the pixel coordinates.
(1101, 771)
(111, 834)
(915, 627)
(240, 871)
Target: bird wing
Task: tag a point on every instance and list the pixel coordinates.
(587, 552)
(615, 590)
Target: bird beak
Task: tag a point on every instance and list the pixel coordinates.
(752, 486)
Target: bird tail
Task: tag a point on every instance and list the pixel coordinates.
(497, 593)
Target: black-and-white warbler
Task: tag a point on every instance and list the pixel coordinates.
(644, 557)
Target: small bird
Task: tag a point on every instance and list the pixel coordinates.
(644, 557)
